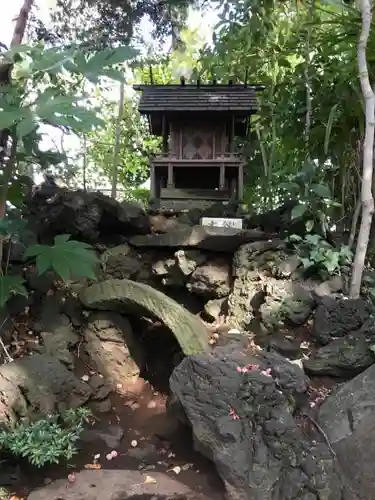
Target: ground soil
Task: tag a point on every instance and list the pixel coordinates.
(139, 408)
(141, 413)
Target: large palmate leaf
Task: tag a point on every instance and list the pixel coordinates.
(70, 259)
(9, 286)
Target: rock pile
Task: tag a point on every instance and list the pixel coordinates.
(244, 385)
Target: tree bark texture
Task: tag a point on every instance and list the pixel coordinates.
(367, 199)
(6, 69)
(116, 149)
(308, 79)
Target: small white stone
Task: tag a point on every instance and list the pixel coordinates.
(150, 480)
(234, 331)
(134, 443)
(85, 378)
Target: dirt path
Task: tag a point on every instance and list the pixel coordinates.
(150, 443)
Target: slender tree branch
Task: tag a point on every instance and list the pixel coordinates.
(6, 68)
(308, 79)
(367, 199)
(116, 149)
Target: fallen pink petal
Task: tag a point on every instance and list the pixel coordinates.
(71, 477)
(233, 414)
(252, 367)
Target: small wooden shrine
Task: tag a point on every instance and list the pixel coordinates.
(198, 124)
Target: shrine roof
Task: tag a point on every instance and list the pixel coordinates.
(188, 98)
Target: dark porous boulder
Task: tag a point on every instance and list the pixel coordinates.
(253, 264)
(36, 386)
(56, 330)
(286, 345)
(244, 423)
(338, 317)
(218, 239)
(111, 347)
(212, 280)
(188, 260)
(229, 210)
(121, 262)
(40, 283)
(258, 256)
(169, 273)
(343, 357)
(275, 221)
(219, 209)
(330, 287)
(286, 302)
(175, 270)
(244, 300)
(347, 419)
(86, 216)
(215, 308)
(162, 224)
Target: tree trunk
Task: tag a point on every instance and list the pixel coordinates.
(367, 199)
(116, 149)
(84, 163)
(5, 69)
(308, 80)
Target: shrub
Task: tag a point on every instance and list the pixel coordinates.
(316, 254)
(48, 440)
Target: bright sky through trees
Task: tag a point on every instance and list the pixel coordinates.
(52, 136)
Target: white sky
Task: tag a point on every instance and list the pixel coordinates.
(11, 9)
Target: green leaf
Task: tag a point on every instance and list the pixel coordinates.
(307, 263)
(332, 261)
(70, 259)
(50, 60)
(114, 74)
(43, 263)
(313, 239)
(107, 57)
(9, 118)
(321, 190)
(61, 265)
(288, 186)
(9, 286)
(47, 158)
(298, 211)
(34, 250)
(331, 118)
(12, 227)
(18, 189)
(309, 225)
(295, 237)
(62, 238)
(61, 121)
(57, 104)
(25, 127)
(16, 50)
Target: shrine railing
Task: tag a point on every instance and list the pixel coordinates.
(171, 158)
